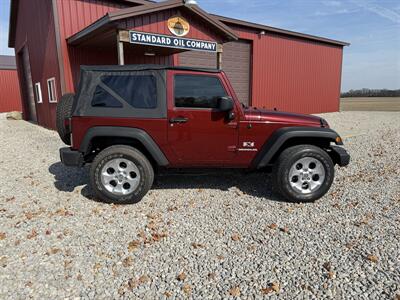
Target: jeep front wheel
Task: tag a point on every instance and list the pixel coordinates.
(121, 175)
(303, 173)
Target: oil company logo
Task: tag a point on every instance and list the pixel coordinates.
(178, 26)
(169, 41)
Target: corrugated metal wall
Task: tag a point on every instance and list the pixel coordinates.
(293, 74)
(35, 30)
(10, 97)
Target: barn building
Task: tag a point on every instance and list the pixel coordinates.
(268, 67)
(10, 99)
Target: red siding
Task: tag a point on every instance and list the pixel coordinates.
(10, 99)
(293, 74)
(73, 17)
(36, 32)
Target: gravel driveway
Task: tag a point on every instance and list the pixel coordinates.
(207, 236)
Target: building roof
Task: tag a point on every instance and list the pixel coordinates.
(279, 30)
(146, 6)
(110, 18)
(7, 62)
(14, 10)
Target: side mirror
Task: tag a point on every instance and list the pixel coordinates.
(225, 104)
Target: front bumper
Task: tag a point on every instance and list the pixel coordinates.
(342, 158)
(71, 158)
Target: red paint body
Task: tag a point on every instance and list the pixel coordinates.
(10, 97)
(208, 139)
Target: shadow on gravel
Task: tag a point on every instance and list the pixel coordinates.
(257, 184)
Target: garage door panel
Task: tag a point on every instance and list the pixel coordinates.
(236, 62)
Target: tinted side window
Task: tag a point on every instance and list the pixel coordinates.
(103, 99)
(140, 91)
(198, 91)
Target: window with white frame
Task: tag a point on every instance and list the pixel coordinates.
(38, 93)
(51, 87)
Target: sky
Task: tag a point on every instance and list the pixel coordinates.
(371, 26)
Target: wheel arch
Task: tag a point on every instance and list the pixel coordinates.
(105, 136)
(286, 137)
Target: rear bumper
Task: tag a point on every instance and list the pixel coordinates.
(342, 158)
(71, 158)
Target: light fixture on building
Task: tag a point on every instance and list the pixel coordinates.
(149, 54)
(190, 2)
(262, 32)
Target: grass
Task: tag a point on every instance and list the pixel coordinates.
(370, 104)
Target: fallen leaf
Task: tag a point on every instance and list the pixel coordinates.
(133, 245)
(48, 232)
(144, 279)
(2, 235)
(331, 275)
(273, 226)
(10, 199)
(79, 277)
(32, 235)
(212, 276)
(132, 283)
(327, 266)
(158, 236)
(267, 290)
(372, 258)
(220, 257)
(235, 237)
(276, 287)
(152, 225)
(167, 294)
(181, 276)
(127, 262)
(235, 291)
(196, 245)
(187, 289)
(54, 251)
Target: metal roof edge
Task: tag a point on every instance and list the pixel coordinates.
(281, 31)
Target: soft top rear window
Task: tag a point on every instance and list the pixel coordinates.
(139, 91)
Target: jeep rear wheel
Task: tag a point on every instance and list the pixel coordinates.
(121, 175)
(63, 111)
(303, 173)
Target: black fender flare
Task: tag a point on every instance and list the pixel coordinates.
(280, 136)
(125, 132)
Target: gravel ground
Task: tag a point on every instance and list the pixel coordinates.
(207, 236)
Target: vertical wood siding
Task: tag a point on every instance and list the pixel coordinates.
(10, 98)
(35, 30)
(293, 74)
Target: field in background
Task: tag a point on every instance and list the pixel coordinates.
(370, 104)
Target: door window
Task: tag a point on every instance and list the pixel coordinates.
(198, 91)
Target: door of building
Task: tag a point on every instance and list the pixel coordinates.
(27, 84)
(236, 62)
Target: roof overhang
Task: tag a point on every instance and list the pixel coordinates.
(261, 27)
(110, 21)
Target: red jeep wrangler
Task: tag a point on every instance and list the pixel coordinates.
(127, 121)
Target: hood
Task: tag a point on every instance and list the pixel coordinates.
(255, 114)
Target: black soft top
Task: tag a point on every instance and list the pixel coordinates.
(149, 67)
(91, 81)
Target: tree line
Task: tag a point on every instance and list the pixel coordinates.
(371, 93)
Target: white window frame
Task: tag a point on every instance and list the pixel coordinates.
(51, 82)
(38, 92)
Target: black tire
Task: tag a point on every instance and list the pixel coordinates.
(131, 154)
(287, 159)
(63, 111)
